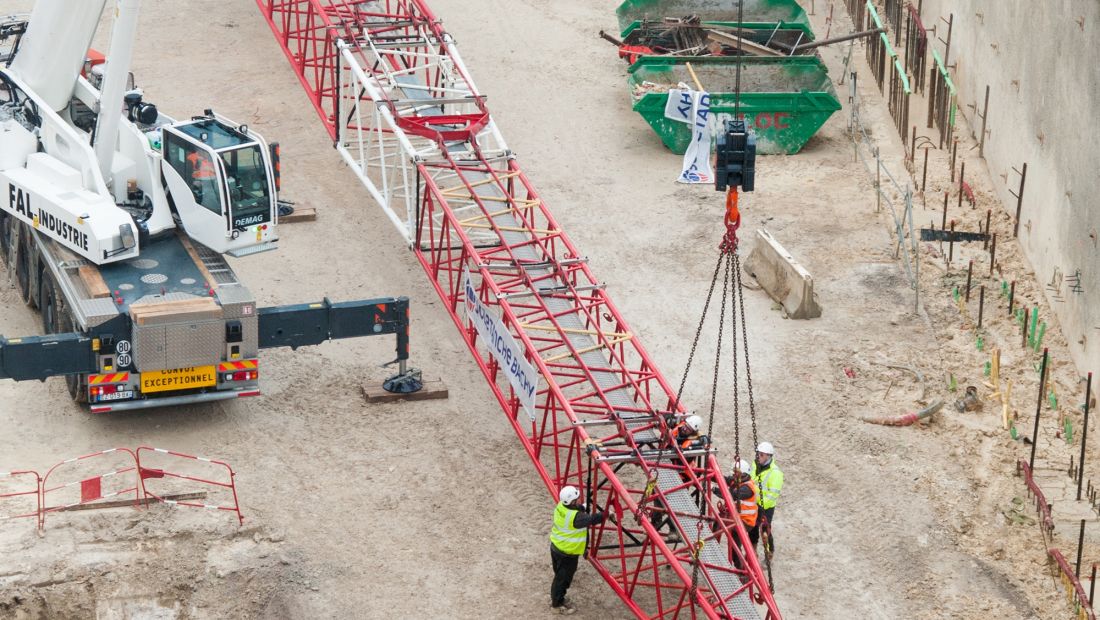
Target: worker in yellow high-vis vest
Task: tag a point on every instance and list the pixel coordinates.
(769, 481)
(568, 539)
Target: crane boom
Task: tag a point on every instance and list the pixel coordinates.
(402, 109)
(54, 48)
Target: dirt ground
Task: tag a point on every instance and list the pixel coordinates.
(431, 509)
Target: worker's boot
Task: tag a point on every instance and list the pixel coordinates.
(566, 609)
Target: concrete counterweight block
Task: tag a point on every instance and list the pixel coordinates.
(784, 279)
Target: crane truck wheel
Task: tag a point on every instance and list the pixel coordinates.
(23, 273)
(75, 383)
(5, 233)
(47, 303)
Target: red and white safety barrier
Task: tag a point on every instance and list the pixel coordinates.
(35, 491)
(125, 475)
(91, 488)
(150, 473)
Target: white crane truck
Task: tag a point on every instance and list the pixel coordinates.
(114, 219)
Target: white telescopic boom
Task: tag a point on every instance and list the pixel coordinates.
(55, 46)
(114, 83)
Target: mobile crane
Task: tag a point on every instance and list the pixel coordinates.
(114, 219)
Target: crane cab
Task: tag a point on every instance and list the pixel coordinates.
(221, 183)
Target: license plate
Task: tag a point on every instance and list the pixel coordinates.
(178, 379)
(128, 394)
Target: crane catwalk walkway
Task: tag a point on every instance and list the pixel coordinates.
(403, 111)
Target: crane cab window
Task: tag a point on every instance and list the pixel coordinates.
(214, 134)
(196, 166)
(247, 181)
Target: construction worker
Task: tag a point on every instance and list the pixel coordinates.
(743, 491)
(568, 539)
(769, 480)
(687, 434)
(204, 181)
(201, 167)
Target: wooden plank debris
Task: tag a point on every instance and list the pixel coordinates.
(300, 214)
(124, 503)
(747, 45)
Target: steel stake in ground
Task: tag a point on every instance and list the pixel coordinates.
(1084, 440)
(1038, 407)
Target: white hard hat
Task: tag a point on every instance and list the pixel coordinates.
(694, 422)
(766, 448)
(744, 467)
(569, 494)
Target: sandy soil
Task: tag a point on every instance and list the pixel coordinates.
(431, 509)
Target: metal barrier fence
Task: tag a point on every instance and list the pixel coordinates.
(7, 494)
(1072, 583)
(942, 100)
(857, 13)
(84, 483)
(884, 60)
(85, 489)
(1075, 592)
(916, 48)
(893, 11)
(888, 190)
(1046, 521)
(151, 473)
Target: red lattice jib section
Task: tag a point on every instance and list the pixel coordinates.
(179, 479)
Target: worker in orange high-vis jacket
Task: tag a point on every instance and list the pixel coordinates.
(568, 540)
(743, 490)
(201, 167)
(687, 433)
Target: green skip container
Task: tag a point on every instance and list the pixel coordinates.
(785, 100)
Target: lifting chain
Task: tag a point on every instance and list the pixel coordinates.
(691, 357)
(740, 292)
(650, 487)
(729, 265)
(695, 553)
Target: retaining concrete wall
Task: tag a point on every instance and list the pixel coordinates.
(1042, 63)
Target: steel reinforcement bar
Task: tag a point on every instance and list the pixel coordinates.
(403, 112)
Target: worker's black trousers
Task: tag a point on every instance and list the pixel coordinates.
(565, 566)
(754, 533)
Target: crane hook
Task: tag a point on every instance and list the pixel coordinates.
(732, 220)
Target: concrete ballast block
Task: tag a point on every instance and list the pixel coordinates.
(782, 277)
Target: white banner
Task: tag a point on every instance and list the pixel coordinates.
(679, 105)
(697, 158)
(508, 353)
(693, 107)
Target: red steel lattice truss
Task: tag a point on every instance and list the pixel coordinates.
(401, 108)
